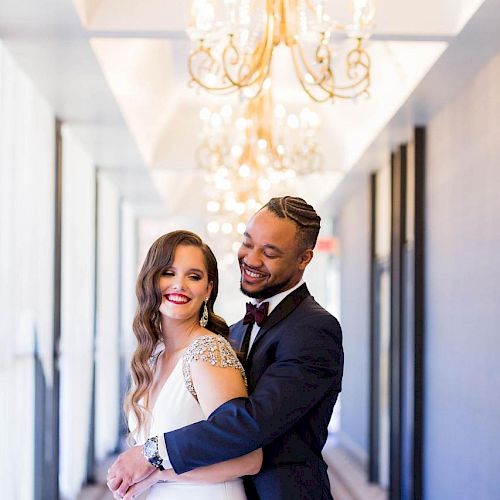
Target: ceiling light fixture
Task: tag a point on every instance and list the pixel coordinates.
(235, 52)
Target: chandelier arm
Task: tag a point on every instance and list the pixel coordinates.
(231, 57)
(325, 84)
(358, 58)
(262, 52)
(317, 80)
(343, 92)
(254, 73)
(263, 56)
(260, 59)
(297, 61)
(263, 60)
(326, 74)
(209, 63)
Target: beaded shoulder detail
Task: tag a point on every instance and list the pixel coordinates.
(212, 349)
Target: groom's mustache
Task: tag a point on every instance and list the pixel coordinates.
(261, 270)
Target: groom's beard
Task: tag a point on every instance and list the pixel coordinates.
(266, 292)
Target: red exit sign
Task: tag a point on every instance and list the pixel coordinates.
(327, 244)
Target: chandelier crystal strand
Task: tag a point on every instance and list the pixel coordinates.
(236, 52)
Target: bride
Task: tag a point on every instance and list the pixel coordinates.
(183, 367)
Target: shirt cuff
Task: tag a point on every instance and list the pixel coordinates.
(162, 451)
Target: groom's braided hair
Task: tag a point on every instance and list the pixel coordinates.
(301, 213)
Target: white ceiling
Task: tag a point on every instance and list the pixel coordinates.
(116, 71)
(400, 17)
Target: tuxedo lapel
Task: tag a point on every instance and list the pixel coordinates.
(282, 310)
(237, 335)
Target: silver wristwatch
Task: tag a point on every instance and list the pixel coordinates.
(150, 451)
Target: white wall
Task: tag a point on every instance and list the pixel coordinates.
(354, 233)
(27, 221)
(77, 312)
(108, 410)
(462, 408)
(129, 271)
(26, 265)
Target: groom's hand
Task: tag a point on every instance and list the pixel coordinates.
(129, 468)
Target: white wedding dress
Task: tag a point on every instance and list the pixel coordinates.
(176, 406)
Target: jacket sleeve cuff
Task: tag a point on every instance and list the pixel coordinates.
(162, 451)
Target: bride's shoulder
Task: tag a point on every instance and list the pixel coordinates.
(209, 352)
(212, 348)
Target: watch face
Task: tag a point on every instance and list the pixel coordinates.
(150, 448)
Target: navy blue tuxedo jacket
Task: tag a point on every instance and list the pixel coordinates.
(294, 372)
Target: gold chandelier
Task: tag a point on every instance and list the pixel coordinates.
(235, 53)
(252, 154)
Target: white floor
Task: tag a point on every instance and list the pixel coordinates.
(348, 479)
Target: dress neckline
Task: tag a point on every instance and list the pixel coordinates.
(152, 407)
(161, 349)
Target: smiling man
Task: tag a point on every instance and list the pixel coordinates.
(273, 255)
(292, 349)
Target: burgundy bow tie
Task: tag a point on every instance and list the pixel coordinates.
(256, 314)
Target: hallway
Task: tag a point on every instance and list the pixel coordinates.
(107, 141)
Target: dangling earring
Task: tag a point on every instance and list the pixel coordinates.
(204, 316)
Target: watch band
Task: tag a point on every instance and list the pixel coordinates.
(150, 452)
(157, 462)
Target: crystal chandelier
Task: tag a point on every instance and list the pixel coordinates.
(235, 51)
(250, 155)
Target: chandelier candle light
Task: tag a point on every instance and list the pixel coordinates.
(235, 52)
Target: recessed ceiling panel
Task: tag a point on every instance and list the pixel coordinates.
(421, 18)
(134, 15)
(139, 73)
(394, 17)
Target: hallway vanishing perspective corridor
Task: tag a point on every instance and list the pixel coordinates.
(108, 139)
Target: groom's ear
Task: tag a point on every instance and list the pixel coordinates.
(305, 257)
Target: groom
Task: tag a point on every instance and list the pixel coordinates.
(294, 364)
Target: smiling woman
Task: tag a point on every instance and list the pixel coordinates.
(163, 271)
(182, 369)
(184, 289)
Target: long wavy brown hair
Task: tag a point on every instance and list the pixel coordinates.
(147, 320)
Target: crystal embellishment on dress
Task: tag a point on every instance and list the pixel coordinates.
(213, 349)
